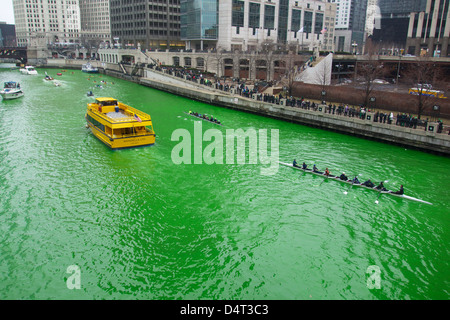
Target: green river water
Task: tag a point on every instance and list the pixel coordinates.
(139, 226)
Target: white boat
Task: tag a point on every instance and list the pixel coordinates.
(404, 196)
(89, 68)
(11, 90)
(28, 70)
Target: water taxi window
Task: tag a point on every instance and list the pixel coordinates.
(110, 103)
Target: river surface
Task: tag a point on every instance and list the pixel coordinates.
(135, 225)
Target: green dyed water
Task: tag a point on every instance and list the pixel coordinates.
(139, 226)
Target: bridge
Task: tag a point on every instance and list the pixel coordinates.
(14, 53)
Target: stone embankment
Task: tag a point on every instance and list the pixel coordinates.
(428, 140)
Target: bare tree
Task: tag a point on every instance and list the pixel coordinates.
(370, 70)
(423, 75)
(266, 50)
(219, 57)
(291, 62)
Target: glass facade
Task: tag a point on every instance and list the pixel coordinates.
(296, 19)
(199, 19)
(307, 22)
(396, 8)
(283, 13)
(237, 16)
(318, 25)
(269, 17)
(253, 15)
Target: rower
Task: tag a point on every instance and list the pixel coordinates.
(304, 166)
(355, 180)
(381, 187)
(294, 164)
(190, 112)
(315, 169)
(368, 183)
(399, 191)
(327, 173)
(343, 177)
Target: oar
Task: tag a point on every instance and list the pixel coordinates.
(345, 192)
(323, 181)
(376, 201)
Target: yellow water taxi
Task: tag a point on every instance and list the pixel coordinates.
(118, 125)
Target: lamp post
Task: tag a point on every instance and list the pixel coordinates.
(339, 66)
(398, 68)
(355, 47)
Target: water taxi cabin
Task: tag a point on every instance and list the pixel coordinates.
(119, 125)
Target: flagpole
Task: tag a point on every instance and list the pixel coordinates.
(302, 41)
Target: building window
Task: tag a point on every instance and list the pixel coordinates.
(253, 15)
(269, 17)
(319, 23)
(238, 14)
(296, 19)
(307, 22)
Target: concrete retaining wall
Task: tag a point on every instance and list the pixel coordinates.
(411, 138)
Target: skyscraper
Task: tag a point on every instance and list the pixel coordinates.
(54, 21)
(304, 23)
(94, 19)
(145, 23)
(199, 23)
(392, 24)
(350, 24)
(429, 29)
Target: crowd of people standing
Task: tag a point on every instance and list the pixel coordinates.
(246, 91)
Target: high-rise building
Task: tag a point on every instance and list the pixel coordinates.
(350, 25)
(95, 24)
(391, 26)
(146, 24)
(429, 29)
(54, 21)
(7, 35)
(373, 15)
(199, 23)
(247, 25)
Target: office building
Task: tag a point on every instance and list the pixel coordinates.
(199, 23)
(7, 35)
(392, 24)
(146, 24)
(285, 22)
(350, 25)
(428, 30)
(95, 23)
(51, 20)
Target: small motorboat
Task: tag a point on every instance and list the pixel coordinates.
(11, 90)
(28, 70)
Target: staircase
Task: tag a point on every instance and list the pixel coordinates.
(123, 68)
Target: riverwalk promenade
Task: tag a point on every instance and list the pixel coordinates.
(390, 130)
(380, 127)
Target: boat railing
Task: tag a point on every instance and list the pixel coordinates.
(129, 111)
(141, 115)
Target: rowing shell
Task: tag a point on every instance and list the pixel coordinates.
(192, 115)
(404, 196)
